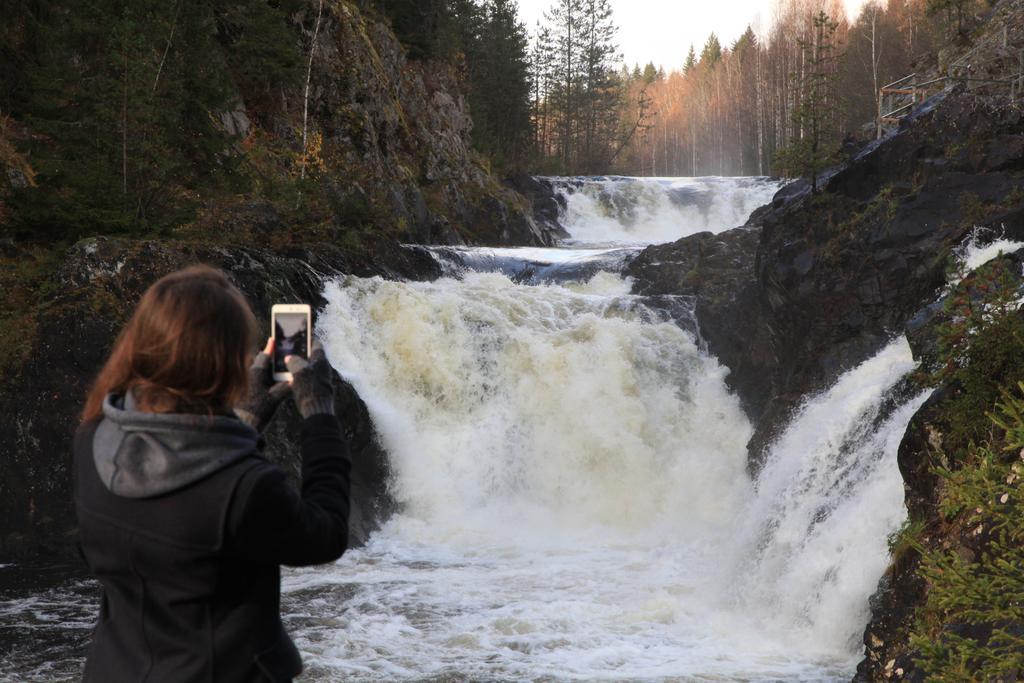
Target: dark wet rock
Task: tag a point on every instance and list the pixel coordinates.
(815, 285)
(517, 227)
(546, 203)
(718, 272)
(96, 288)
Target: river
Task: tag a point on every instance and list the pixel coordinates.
(571, 479)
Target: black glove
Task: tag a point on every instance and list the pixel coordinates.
(264, 396)
(312, 382)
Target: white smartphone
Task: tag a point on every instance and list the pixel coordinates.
(293, 335)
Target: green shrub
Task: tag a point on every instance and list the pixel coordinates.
(972, 626)
(980, 350)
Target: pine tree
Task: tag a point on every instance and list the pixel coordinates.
(712, 52)
(600, 97)
(542, 56)
(260, 48)
(423, 26)
(954, 10)
(132, 92)
(691, 61)
(585, 95)
(566, 20)
(811, 150)
(500, 91)
(651, 73)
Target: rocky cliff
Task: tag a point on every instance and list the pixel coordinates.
(345, 136)
(815, 284)
(396, 133)
(961, 446)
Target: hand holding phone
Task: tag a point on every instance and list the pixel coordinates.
(259, 406)
(293, 327)
(313, 383)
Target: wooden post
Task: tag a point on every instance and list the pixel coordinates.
(878, 101)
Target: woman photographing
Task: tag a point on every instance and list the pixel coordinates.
(181, 520)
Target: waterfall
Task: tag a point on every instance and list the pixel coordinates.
(574, 501)
(555, 403)
(617, 210)
(830, 493)
(570, 473)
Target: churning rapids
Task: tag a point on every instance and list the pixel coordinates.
(570, 470)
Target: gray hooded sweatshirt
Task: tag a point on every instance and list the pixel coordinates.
(142, 455)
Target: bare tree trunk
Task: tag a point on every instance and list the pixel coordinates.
(758, 113)
(693, 148)
(665, 138)
(167, 48)
(305, 98)
(124, 128)
(876, 56)
(654, 157)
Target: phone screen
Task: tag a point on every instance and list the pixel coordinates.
(291, 335)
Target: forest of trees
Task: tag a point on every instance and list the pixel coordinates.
(732, 110)
(577, 90)
(124, 128)
(553, 103)
(98, 76)
(779, 100)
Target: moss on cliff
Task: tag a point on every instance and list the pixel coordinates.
(25, 283)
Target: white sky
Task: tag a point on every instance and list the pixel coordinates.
(661, 31)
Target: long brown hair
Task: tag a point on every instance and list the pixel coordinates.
(186, 348)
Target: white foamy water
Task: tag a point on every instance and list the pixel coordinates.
(638, 211)
(980, 248)
(570, 472)
(574, 500)
(829, 495)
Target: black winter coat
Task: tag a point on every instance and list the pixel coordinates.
(191, 578)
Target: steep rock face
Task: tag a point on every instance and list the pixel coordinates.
(844, 272)
(887, 655)
(814, 285)
(545, 203)
(930, 442)
(98, 285)
(400, 130)
(718, 272)
(837, 274)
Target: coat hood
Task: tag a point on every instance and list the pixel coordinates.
(142, 455)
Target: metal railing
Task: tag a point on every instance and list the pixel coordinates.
(995, 61)
(898, 99)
